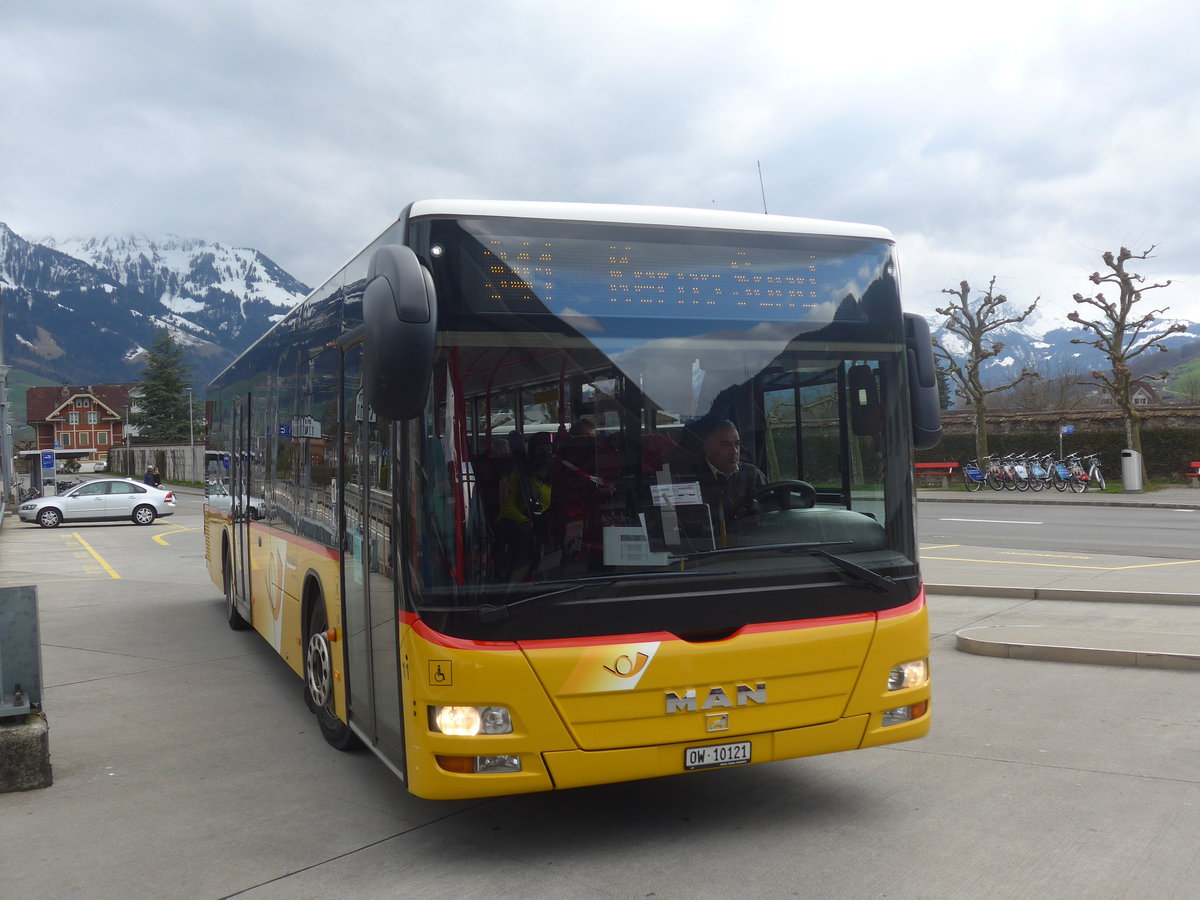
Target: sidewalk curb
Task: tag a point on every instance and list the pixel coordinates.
(1142, 650)
(1129, 649)
(1068, 500)
(1043, 593)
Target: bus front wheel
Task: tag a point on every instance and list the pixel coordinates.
(318, 681)
(236, 622)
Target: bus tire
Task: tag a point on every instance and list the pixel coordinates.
(232, 616)
(318, 680)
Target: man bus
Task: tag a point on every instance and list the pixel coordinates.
(646, 630)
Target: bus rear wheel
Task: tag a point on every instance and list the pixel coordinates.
(318, 681)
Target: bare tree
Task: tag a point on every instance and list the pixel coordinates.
(1121, 335)
(1046, 394)
(973, 322)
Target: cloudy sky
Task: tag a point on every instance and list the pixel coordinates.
(1019, 140)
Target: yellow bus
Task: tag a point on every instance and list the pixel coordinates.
(542, 495)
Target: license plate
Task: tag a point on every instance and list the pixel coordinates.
(717, 755)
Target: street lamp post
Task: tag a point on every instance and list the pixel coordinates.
(5, 431)
(191, 438)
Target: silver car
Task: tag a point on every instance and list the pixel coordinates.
(100, 500)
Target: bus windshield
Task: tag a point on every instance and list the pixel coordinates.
(638, 429)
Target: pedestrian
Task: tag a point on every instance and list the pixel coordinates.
(149, 476)
(157, 478)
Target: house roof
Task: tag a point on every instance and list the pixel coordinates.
(42, 402)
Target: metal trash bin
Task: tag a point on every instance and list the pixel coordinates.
(1131, 471)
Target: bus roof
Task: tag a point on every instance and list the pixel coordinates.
(645, 215)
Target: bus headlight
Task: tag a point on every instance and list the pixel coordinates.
(909, 674)
(905, 713)
(466, 721)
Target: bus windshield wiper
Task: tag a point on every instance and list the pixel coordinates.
(808, 548)
(490, 612)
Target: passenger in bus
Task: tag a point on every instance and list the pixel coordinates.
(580, 494)
(524, 503)
(583, 428)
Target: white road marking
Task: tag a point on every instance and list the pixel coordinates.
(994, 521)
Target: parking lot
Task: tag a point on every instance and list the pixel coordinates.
(186, 765)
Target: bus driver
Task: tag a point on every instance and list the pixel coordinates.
(727, 483)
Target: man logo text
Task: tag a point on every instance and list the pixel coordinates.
(687, 700)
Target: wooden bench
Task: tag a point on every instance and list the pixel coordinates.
(942, 469)
(1194, 474)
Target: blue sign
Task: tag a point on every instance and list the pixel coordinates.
(285, 429)
(1067, 429)
(48, 459)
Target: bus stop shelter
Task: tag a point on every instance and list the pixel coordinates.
(43, 466)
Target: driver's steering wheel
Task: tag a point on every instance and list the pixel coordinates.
(783, 492)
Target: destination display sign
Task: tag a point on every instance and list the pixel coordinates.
(725, 276)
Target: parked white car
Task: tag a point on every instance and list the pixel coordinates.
(100, 500)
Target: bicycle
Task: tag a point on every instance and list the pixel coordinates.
(973, 476)
(1021, 473)
(1078, 479)
(1038, 479)
(995, 474)
(1011, 479)
(1060, 475)
(1041, 472)
(1093, 475)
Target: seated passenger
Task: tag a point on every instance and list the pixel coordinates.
(583, 428)
(525, 499)
(580, 494)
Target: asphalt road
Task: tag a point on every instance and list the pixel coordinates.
(1136, 531)
(186, 765)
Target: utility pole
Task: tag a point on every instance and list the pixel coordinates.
(5, 428)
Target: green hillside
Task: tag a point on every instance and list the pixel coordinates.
(19, 383)
(1183, 384)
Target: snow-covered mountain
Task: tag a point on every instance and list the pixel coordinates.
(83, 310)
(1051, 353)
(212, 291)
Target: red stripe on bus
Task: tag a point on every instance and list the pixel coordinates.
(436, 637)
(907, 609)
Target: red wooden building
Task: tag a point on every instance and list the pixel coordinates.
(80, 417)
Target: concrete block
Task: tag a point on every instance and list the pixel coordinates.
(24, 753)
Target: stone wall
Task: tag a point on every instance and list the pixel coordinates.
(1098, 420)
(176, 462)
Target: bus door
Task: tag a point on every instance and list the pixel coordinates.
(369, 593)
(239, 493)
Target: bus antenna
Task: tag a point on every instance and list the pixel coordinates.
(762, 187)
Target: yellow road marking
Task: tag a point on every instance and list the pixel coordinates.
(96, 556)
(940, 547)
(180, 530)
(1005, 562)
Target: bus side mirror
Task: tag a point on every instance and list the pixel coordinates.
(922, 383)
(400, 314)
